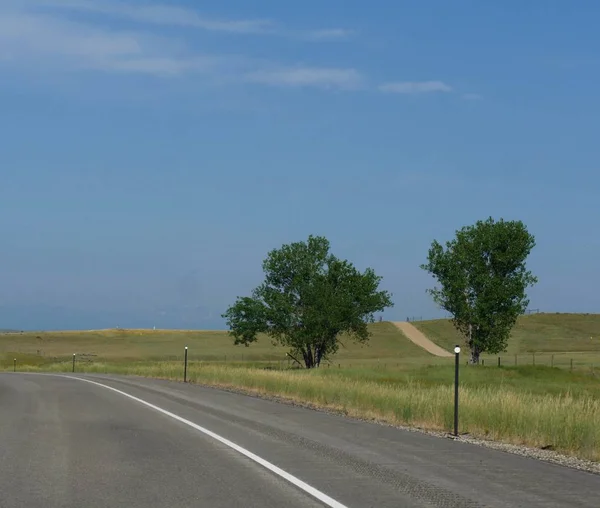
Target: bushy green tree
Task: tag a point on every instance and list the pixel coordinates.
(307, 300)
(483, 278)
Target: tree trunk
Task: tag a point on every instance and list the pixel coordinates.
(475, 349)
(319, 354)
(474, 355)
(308, 358)
(313, 356)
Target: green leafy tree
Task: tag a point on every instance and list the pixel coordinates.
(483, 279)
(309, 298)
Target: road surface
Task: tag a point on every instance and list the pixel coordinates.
(138, 443)
(418, 337)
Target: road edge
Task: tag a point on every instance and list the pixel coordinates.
(549, 456)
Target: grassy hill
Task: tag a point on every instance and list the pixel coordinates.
(544, 339)
(536, 333)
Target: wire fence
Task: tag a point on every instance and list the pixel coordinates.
(587, 363)
(571, 361)
(449, 316)
(427, 318)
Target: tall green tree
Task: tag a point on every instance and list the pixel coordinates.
(483, 278)
(309, 298)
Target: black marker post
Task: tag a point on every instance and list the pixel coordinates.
(185, 366)
(456, 364)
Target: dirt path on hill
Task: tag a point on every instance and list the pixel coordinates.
(416, 336)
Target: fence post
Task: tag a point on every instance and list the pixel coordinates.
(15, 365)
(483, 363)
(73, 362)
(571, 364)
(498, 361)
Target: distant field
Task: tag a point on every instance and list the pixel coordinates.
(387, 344)
(556, 339)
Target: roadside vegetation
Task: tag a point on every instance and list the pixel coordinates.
(535, 406)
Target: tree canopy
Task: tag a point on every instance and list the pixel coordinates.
(309, 298)
(483, 279)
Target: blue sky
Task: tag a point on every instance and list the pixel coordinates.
(151, 154)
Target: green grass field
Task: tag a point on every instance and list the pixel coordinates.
(538, 333)
(390, 379)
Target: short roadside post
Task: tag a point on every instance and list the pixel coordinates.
(456, 363)
(73, 362)
(185, 366)
(15, 365)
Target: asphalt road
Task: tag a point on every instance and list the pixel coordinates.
(65, 442)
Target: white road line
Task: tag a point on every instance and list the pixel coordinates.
(324, 498)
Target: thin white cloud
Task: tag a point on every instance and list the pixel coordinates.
(159, 66)
(25, 38)
(173, 15)
(347, 79)
(159, 14)
(32, 40)
(415, 87)
(34, 34)
(26, 34)
(329, 34)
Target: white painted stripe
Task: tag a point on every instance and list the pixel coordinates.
(324, 498)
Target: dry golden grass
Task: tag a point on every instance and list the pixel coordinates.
(387, 343)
